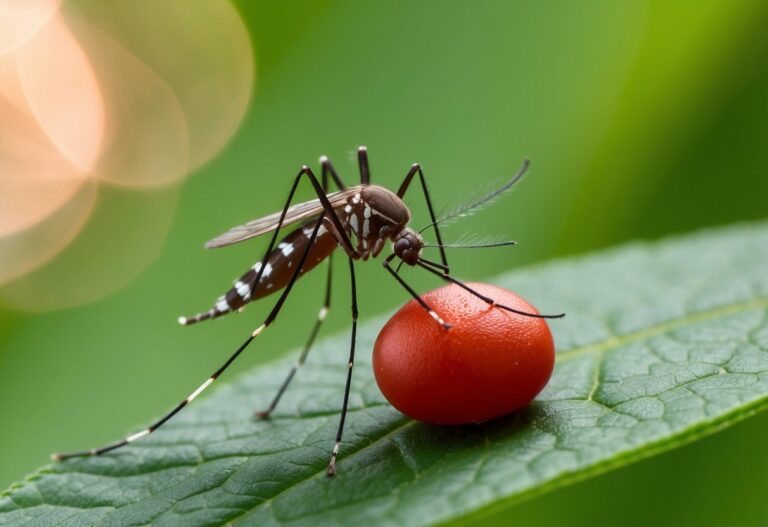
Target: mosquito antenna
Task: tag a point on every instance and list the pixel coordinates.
(466, 208)
(474, 245)
(474, 241)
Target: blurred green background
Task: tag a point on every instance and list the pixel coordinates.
(642, 119)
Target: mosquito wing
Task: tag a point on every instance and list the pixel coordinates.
(295, 213)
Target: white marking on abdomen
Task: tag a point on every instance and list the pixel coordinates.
(243, 289)
(287, 248)
(308, 231)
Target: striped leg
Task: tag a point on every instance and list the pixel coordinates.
(327, 168)
(414, 294)
(331, 470)
(223, 306)
(416, 169)
(430, 266)
(237, 297)
(307, 346)
(362, 160)
(328, 210)
(270, 318)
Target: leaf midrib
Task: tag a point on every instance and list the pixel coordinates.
(664, 327)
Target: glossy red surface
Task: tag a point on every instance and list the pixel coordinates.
(490, 363)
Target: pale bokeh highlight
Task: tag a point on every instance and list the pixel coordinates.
(31, 248)
(204, 54)
(104, 109)
(146, 138)
(20, 20)
(35, 178)
(63, 94)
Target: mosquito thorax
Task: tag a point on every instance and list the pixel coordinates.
(407, 245)
(387, 205)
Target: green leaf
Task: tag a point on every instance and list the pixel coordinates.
(664, 342)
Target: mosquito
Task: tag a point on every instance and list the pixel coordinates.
(362, 220)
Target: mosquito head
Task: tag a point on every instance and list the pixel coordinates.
(408, 245)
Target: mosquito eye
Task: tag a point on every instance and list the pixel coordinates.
(410, 256)
(401, 245)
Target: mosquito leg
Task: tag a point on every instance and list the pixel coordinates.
(344, 240)
(270, 318)
(332, 221)
(490, 301)
(362, 160)
(329, 223)
(435, 264)
(327, 168)
(440, 266)
(416, 169)
(414, 294)
(330, 214)
(307, 346)
(331, 470)
(327, 207)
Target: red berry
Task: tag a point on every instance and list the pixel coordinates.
(490, 363)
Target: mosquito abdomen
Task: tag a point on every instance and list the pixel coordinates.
(278, 269)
